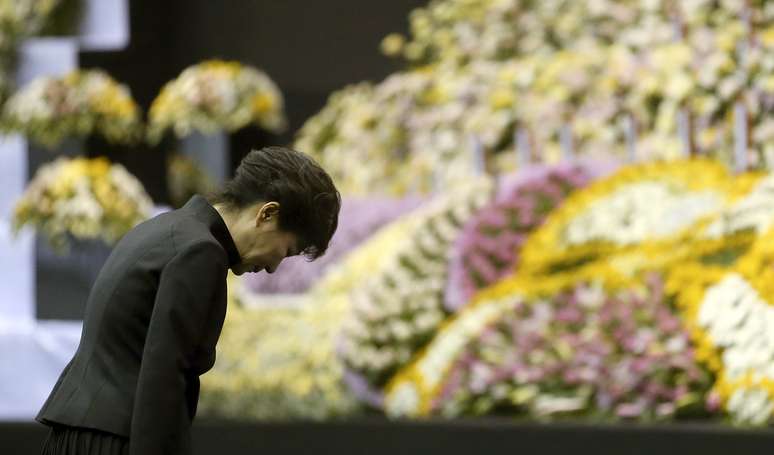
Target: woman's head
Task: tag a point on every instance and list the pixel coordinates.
(280, 202)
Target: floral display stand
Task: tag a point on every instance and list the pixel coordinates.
(16, 254)
(63, 281)
(104, 25)
(46, 57)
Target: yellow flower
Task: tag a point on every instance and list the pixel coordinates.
(263, 103)
(728, 37)
(393, 44)
(502, 98)
(414, 51)
(768, 83)
(679, 85)
(437, 94)
(767, 37)
(671, 56)
(228, 68)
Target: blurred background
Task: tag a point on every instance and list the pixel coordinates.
(556, 222)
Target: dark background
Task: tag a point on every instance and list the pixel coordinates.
(310, 48)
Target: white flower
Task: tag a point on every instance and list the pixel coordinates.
(550, 404)
(738, 321)
(754, 211)
(640, 211)
(752, 406)
(403, 401)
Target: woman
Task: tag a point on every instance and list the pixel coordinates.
(156, 310)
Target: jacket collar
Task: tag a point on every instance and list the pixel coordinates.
(202, 210)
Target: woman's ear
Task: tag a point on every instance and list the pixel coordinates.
(267, 213)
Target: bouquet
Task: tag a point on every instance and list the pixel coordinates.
(213, 96)
(84, 102)
(82, 198)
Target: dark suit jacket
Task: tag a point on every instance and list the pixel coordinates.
(150, 327)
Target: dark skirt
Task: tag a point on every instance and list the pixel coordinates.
(65, 440)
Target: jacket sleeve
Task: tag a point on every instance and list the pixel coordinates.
(160, 420)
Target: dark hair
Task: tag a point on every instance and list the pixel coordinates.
(309, 201)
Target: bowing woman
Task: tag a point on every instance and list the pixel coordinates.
(156, 309)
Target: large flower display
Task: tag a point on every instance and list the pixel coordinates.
(560, 290)
(501, 354)
(644, 79)
(467, 30)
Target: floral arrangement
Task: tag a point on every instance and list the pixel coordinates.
(584, 351)
(216, 95)
(729, 313)
(488, 247)
(410, 392)
(396, 311)
(84, 102)
(463, 30)
(278, 361)
(358, 220)
(82, 198)
(593, 91)
(596, 78)
(654, 204)
(185, 177)
(18, 20)
(23, 18)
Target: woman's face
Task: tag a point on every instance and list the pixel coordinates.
(263, 245)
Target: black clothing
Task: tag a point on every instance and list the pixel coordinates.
(150, 327)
